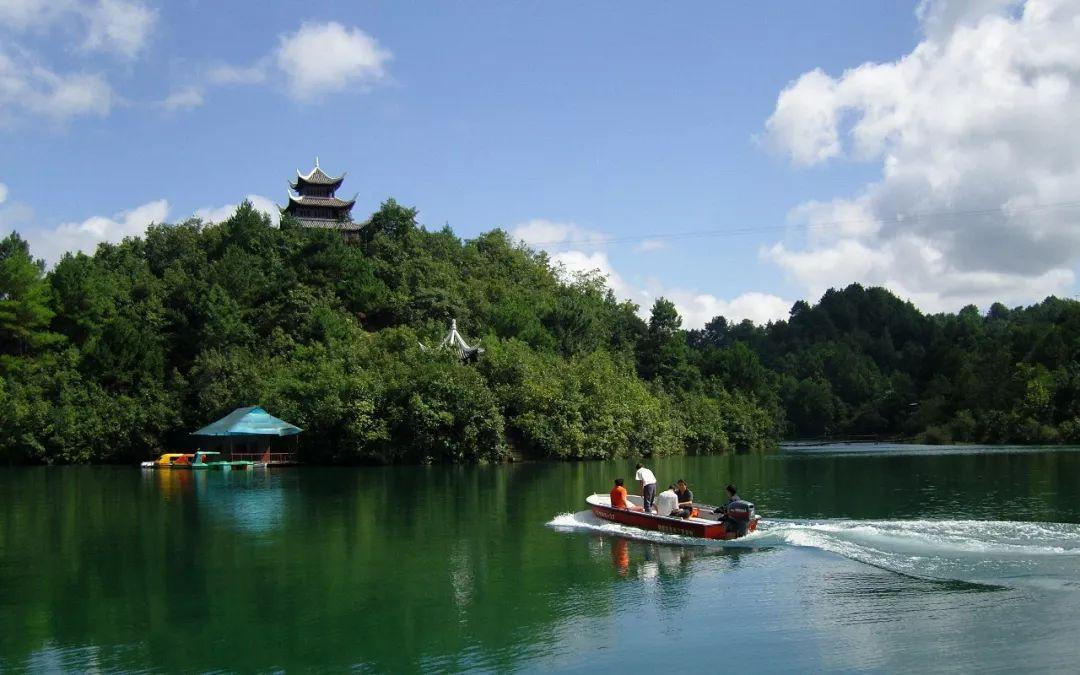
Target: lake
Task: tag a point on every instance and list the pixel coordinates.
(869, 558)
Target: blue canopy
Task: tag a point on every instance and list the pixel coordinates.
(252, 421)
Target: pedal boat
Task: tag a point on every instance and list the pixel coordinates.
(704, 525)
(169, 460)
(196, 460)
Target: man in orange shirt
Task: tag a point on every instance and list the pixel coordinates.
(618, 497)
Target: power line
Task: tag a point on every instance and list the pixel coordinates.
(732, 232)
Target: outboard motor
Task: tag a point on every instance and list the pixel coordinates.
(739, 516)
(742, 511)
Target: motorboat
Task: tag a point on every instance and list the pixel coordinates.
(739, 520)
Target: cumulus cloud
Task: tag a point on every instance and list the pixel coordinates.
(216, 214)
(51, 244)
(698, 308)
(578, 250)
(317, 60)
(29, 88)
(974, 132)
(324, 58)
(3, 193)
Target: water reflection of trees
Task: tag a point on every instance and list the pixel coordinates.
(396, 568)
(389, 568)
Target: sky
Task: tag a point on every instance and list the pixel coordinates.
(733, 157)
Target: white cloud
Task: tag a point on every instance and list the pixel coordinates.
(805, 120)
(184, 98)
(317, 60)
(3, 193)
(577, 250)
(324, 58)
(85, 236)
(939, 19)
(28, 88)
(697, 308)
(216, 214)
(548, 234)
(974, 131)
(118, 26)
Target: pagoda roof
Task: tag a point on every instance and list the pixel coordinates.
(301, 200)
(316, 177)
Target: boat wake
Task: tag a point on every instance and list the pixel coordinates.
(996, 553)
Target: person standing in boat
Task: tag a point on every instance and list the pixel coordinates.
(686, 499)
(647, 484)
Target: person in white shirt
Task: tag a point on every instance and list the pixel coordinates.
(647, 482)
(667, 502)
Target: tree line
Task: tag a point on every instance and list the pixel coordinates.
(116, 356)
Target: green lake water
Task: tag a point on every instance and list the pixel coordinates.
(869, 558)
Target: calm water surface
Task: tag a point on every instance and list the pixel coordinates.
(871, 558)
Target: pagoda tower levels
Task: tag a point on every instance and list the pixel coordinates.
(315, 204)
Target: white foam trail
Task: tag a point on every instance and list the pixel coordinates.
(1003, 553)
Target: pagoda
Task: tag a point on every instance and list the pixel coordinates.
(454, 342)
(315, 205)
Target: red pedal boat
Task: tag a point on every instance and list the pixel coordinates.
(705, 524)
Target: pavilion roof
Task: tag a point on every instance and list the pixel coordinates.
(250, 421)
(316, 177)
(303, 200)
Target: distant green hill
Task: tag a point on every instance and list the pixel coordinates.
(114, 357)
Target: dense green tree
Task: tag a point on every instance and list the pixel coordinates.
(24, 299)
(117, 355)
(664, 353)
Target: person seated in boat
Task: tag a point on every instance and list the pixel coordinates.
(732, 496)
(667, 502)
(686, 499)
(618, 497)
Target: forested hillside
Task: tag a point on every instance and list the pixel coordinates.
(863, 362)
(116, 356)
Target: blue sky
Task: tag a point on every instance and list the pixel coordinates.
(571, 122)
